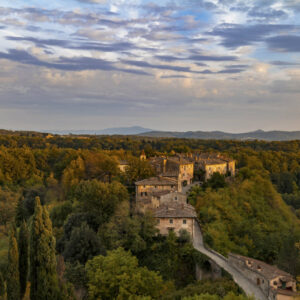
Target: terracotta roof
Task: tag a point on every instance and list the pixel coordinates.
(263, 268)
(157, 181)
(175, 210)
(179, 160)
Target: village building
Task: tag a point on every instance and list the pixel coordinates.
(157, 197)
(174, 216)
(145, 187)
(174, 167)
(275, 284)
(211, 163)
(143, 156)
(123, 165)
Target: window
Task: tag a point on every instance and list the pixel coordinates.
(184, 221)
(171, 221)
(175, 198)
(146, 194)
(158, 221)
(141, 193)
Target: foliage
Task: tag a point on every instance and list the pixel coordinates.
(218, 287)
(118, 276)
(99, 198)
(12, 277)
(247, 217)
(43, 277)
(83, 245)
(23, 240)
(230, 296)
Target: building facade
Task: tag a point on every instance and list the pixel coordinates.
(174, 216)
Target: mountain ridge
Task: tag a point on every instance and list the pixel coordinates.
(273, 135)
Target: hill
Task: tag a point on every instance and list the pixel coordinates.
(274, 135)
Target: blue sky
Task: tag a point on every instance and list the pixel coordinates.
(170, 65)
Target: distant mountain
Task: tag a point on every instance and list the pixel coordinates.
(108, 131)
(220, 135)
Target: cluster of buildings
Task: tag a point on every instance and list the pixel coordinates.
(165, 194)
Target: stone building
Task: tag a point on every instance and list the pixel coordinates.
(174, 216)
(158, 197)
(174, 167)
(213, 162)
(144, 188)
(123, 164)
(275, 284)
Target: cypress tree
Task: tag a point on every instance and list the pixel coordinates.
(20, 212)
(13, 279)
(2, 286)
(23, 257)
(43, 276)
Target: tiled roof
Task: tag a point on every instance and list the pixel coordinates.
(157, 181)
(263, 268)
(175, 210)
(159, 193)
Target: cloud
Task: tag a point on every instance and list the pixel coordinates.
(77, 45)
(144, 64)
(284, 63)
(284, 43)
(67, 64)
(173, 76)
(236, 35)
(198, 57)
(93, 1)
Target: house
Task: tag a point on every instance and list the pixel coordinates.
(275, 283)
(213, 162)
(174, 216)
(123, 164)
(144, 188)
(174, 167)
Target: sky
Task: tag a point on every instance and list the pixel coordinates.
(230, 65)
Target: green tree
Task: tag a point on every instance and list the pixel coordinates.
(43, 276)
(23, 257)
(2, 286)
(118, 276)
(99, 198)
(83, 245)
(13, 279)
(20, 212)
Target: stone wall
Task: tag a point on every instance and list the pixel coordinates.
(173, 196)
(211, 169)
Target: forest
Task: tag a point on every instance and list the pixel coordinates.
(68, 230)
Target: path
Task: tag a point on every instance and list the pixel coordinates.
(248, 287)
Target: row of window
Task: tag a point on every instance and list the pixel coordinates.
(171, 221)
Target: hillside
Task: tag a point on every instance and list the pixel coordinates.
(220, 135)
